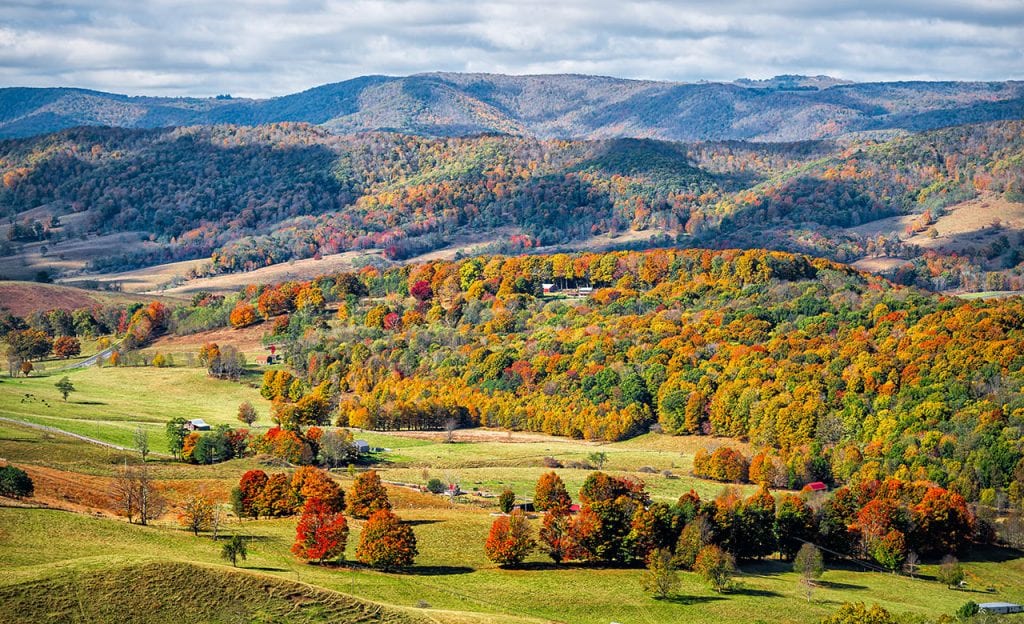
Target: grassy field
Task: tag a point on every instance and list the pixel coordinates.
(45, 552)
(109, 403)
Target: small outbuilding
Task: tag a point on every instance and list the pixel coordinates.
(197, 424)
(1000, 607)
(362, 446)
(816, 486)
(548, 288)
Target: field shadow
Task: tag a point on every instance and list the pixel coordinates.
(836, 585)
(757, 593)
(88, 402)
(439, 570)
(420, 522)
(264, 568)
(691, 600)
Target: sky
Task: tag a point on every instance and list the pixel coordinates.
(263, 48)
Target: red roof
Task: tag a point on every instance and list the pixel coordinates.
(817, 486)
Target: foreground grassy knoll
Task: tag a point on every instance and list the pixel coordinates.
(51, 557)
(179, 592)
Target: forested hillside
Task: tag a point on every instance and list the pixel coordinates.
(254, 196)
(786, 108)
(834, 374)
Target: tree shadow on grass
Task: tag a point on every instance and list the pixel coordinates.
(420, 522)
(759, 593)
(691, 600)
(440, 570)
(264, 568)
(88, 402)
(835, 585)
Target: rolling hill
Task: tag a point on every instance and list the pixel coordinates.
(110, 200)
(786, 108)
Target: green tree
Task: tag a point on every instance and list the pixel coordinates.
(506, 500)
(857, 613)
(660, 578)
(142, 442)
(176, 433)
(716, 567)
(950, 572)
(65, 387)
(598, 458)
(234, 550)
(810, 566)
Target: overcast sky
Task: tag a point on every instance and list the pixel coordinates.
(274, 47)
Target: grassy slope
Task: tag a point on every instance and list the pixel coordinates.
(177, 592)
(21, 298)
(452, 572)
(109, 403)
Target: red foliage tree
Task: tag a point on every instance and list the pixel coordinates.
(321, 534)
(555, 538)
(421, 290)
(251, 486)
(510, 539)
(66, 346)
(385, 542)
(942, 522)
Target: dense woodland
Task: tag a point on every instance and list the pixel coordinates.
(253, 196)
(831, 374)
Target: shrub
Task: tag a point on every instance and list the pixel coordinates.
(15, 482)
(435, 486)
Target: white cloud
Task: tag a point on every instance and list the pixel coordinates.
(272, 47)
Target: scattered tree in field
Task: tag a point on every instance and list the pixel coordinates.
(660, 578)
(142, 442)
(911, 565)
(716, 567)
(234, 550)
(27, 368)
(28, 344)
(550, 493)
(176, 434)
(810, 566)
(950, 572)
(368, 495)
(598, 459)
(510, 539)
(435, 486)
(506, 500)
(15, 482)
(197, 513)
(311, 483)
(66, 346)
(247, 413)
(65, 387)
(857, 613)
(137, 496)
(321, 534)
(385, 542)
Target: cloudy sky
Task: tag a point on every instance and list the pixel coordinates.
(273, 47)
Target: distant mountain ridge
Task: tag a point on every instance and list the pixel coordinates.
(784, 108)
